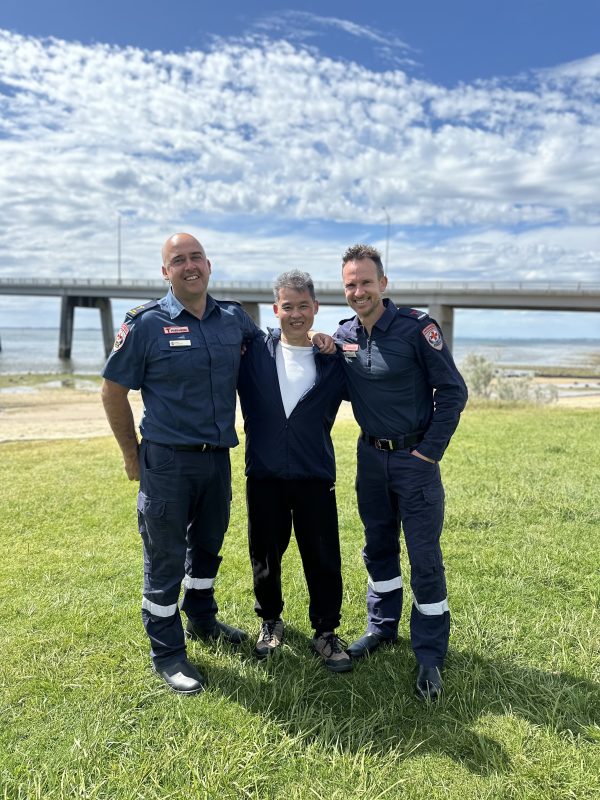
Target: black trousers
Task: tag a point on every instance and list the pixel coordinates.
(310, 505)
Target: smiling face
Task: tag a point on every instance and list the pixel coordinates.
(364, 289)
(185, 264)
(295, 311)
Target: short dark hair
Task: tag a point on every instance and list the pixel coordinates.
(294, 279)
(358, 252)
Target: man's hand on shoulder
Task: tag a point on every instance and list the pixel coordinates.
(324, 342)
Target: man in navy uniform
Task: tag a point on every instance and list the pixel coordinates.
(407, 396)
(290, 394)
(183, 352)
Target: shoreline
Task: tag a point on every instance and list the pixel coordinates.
(72, 409)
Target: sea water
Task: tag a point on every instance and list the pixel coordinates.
(35, 350)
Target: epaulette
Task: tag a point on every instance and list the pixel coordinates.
(343, 321)
(135, 312)
(414, 313)
(230, 302)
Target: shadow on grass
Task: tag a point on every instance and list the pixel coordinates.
(373, 708)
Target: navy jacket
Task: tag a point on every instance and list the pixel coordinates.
(402, 378)
(297, 447)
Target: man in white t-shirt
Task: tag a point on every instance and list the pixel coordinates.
(290, 394)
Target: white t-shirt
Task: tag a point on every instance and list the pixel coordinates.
(296, 371)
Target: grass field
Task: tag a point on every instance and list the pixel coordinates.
(82, 715)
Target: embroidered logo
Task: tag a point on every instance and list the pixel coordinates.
(122, 334)
(433, 335)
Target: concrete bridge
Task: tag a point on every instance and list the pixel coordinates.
(441, 298)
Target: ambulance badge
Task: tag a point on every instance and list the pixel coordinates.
(433, 335)
(120, 337)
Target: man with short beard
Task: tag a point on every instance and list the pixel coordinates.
(407, 396)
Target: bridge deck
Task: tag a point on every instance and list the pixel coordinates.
(440, 297)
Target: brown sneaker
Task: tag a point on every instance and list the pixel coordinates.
(332, 650)
(269, 638)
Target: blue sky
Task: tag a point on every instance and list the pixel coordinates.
(281, 133)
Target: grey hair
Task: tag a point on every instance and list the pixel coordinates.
(294, 279)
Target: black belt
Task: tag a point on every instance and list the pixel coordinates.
(393, 444)
(190, 448)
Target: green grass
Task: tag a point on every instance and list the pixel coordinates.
(82, 715)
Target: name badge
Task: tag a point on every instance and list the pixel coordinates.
(176, 329)
(350, 350)
(180, 343)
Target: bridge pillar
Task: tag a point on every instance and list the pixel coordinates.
(444, 316)
(253, 310)
(67, 313)
(106, 320)
(65, 336)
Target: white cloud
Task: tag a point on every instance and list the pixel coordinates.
(303, 27)
(260, 138)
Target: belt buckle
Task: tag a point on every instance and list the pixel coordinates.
(379, 444)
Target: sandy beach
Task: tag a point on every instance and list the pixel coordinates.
(50, 411)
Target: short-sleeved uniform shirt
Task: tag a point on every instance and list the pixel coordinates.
(186, 369)
(402, 378)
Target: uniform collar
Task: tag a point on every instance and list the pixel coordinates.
(174, 308)
(384, 321)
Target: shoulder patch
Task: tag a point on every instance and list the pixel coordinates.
(414, 313)
(433, 336)
(122, 334)
(135, 312)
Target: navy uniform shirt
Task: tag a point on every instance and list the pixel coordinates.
(392, 374)
(294, 447)
(186, 368)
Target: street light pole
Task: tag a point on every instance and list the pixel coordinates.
(387, 241)
(118, 247)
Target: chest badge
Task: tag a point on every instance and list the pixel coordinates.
(180, 343)
(349, 350)
(176, 329)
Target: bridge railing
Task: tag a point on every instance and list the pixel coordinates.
(224, 285)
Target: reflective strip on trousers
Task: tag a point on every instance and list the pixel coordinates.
(198, 583)
(431, 609)
(159, 611)
(381, 587)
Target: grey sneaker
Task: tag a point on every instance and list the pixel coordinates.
(332, 650)
(269, 638)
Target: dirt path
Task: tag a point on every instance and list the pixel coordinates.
(29, 413)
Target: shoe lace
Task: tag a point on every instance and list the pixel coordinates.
(335, 644)
(267, 629)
